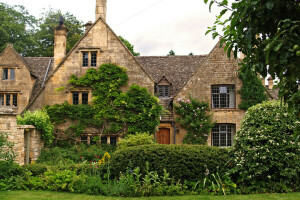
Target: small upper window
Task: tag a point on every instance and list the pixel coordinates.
(80, 97)
(93, 59)
(12, 74)
(223, 96)
(75, 98)
(85, 98)
(163, 90)
(85, 59)
(5, 74)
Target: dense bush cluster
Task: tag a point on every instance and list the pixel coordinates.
(266, 156)
(183, 162)
(136, 140)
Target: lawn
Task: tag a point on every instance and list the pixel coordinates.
(30, 195)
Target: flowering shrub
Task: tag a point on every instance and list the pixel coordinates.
(195, 118)
(266, 156)
(104, 159)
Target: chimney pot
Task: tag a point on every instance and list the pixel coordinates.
(88, 26)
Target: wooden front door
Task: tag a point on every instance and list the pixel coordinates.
(163, 136)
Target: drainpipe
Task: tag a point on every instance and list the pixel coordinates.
(27, 146)
(174, 130)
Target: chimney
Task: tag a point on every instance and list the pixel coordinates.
(60, 43)
(88, 26)
(101, 9)
(270, 83)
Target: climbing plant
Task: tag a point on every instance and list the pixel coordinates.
(112, 111)
(195, 118)
(252, 91)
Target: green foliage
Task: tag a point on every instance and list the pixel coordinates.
(60, 181)
(135, 140)
(194, 117)
(171, 53)
(14, 28)
(252, 91)
(184, 162)
(266, 156)
(75, 154)
(6, 148)
(112, 111)
(41, 120)
(267, 32)
(44, 34)
(129, 46)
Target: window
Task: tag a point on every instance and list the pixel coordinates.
(85, 98)
(75, 98)
(90, 139)
(163, 90)
(222, 135)
(5, 74)
(12, 74)
(80, 98)
(9, 99)
(104, 140)
(89, 59)
(223, 96)
(113, 140)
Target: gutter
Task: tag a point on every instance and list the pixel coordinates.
(47, 72)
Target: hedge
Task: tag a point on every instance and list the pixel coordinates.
(183, 162)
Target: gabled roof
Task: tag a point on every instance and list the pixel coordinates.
(176, 69)
(40, 67)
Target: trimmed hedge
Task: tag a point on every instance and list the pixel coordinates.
(184, 162)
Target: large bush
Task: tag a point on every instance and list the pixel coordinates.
(184, 162)
(266, 156)
(41, 120)
(135, 140)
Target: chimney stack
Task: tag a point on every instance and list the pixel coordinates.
(101, 9)
(60, 43)
(270, 83)
(88, 26)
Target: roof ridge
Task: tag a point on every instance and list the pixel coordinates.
(174, 56)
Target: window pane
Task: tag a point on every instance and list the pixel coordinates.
(1, 99)
(5, 74)
(75, 98)
(166, 91)
(222, 135)
(160, 91)
(104, 140)
(113, 140)
(83, 139)
(215, 101)
(94, 59)
(12, 74)
(85, 59)
(7, 99)
(15, 100)
(85, 98)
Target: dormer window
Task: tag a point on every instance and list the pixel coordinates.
(163, 88)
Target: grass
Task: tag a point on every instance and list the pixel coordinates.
(31, 195)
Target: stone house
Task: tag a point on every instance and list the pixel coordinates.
(28, 83)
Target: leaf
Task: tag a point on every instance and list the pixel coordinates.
(229, 50)
(270, 4)
(277, 47)
(211, 3)
(223, 12)
(208, 31)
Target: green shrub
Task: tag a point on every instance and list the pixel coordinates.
(6, 148)
(266, 156)
(135, 140)
(41, 120)
(184, 162)
(35, 169)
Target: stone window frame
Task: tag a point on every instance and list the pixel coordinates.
(9, 74)
(223, 138)
(231, 87)
(92, 61)
(108, 138)
(80, 97)
(13, 99)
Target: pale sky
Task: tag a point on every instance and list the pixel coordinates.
(154, 27)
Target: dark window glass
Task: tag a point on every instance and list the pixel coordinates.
(93, 140)
(84, 139)
(15, 100)
(163, 91)
(104, 140)
(12, 74)
(7, 99)
(223, 97)
(85, 98)
(113, 140)
(1, 99)
(5, 74)
(222, 135)
(93, 59)
(85, 59)
(75, 98)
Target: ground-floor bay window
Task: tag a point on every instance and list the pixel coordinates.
(97, 139)
(222, 135)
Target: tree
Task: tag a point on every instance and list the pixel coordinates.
(171, 53)
(129, 46)
(267, 32)
(45, 32)
(16, 27)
